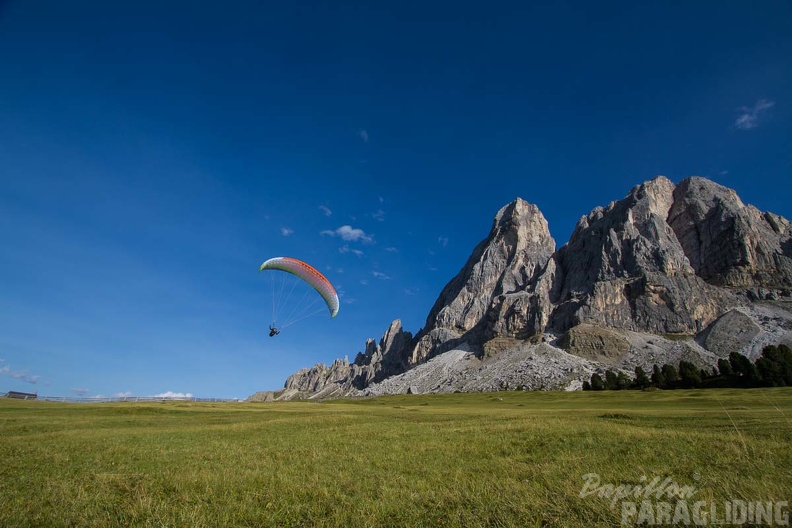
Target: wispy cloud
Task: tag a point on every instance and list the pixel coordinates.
(346, 249)
(364, 135)
(125, 394)
(391, 249)
(20, 375)
(379, 215)
(285, 231)
(750, 116)
(79, 392)
(381, 199)
(24, 377)
(443, 241)
(364, 282)
(171, 394)
(411, 291)
(325, 210)
(380, 275)
(349, 234)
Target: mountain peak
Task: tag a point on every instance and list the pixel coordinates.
(518, 245)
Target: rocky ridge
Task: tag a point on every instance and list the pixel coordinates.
(669, 272)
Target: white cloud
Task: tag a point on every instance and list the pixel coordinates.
(411, 291)
(364, 282)
(379, 215)
(339, 270)
(125, 394)
(20, 375)
(326, 210)
(380, 275)
(750, 116)
(364, 135)
(80, 392)
(349, 234)
(170, 394)
(24, 377)
(391, 249)
(346, 249)
(443, 241)
(285, 231)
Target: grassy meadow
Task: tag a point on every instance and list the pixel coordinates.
(492, 459)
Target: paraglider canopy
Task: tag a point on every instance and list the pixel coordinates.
(307, 274)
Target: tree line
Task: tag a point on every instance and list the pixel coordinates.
(772, 369)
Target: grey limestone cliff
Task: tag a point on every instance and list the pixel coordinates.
(379, 361)
(518, 246)
(728, 243)
(624, 267)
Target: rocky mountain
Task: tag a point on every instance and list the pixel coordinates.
(669, 272)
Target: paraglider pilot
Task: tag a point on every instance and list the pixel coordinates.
(274, 330)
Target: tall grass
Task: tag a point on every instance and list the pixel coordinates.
(492, 459)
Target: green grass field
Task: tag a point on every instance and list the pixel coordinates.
(494, 459)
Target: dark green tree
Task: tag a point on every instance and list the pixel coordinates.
(689, 375)
(596, 382)
(622, 381)
(785, 354)
(586, 386)
(775, 366)
(658, 380)
(641, 379)
(611, 380)
(743, 369)
(724, 367)
(769, 372)
(671, 376)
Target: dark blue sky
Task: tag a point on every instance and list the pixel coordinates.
(152, 155)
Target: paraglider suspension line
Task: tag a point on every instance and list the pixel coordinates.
(299, 310)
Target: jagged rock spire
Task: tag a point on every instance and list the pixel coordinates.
(518, 245)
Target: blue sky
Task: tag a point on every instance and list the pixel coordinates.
(152, 155)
